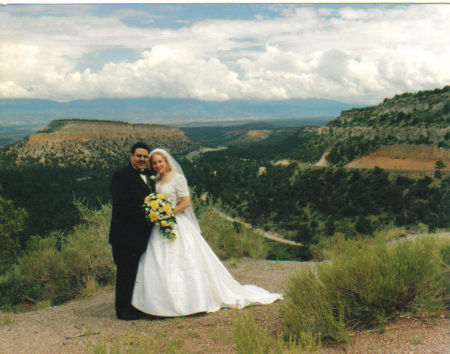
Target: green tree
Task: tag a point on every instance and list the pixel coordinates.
(12, 221)
(438, 166)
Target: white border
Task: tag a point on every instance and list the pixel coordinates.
(56, 2)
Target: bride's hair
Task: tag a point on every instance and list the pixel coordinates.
(164, 156)
(175, 166)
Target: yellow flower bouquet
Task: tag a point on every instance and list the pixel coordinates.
(159, 211)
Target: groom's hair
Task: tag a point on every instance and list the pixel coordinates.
(139, 145)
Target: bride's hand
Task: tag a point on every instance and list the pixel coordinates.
(183, 204)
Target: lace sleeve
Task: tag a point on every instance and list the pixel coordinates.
(181, 186)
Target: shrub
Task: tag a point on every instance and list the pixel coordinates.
(250, 338)
(129, 344)
(390, 233)
(283, 252)
(311, 308)
(365, 284)
(60, 267)
(12, 288)
(12, 220)
(228, 239)
(327, 246)
(336, 244)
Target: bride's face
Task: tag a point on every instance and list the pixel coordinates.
(159, 165)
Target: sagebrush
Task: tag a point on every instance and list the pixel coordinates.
(365, 284)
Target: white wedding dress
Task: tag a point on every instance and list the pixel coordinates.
(183, 277)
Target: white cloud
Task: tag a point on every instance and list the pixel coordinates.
(354, 55)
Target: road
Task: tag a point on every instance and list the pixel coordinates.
(269, 235)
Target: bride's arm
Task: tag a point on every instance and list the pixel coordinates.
(183, 204)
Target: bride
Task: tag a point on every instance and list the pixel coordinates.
(183, 277)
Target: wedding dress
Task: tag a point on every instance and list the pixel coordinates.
(182, 277)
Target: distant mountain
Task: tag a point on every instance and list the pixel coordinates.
(230, 135)
(88, 143)
(26, 111)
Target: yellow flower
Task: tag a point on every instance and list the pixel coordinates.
(147, 199)
(154, 205)
(164, 223)
(160, 196)
(153, 216)
(167, 208)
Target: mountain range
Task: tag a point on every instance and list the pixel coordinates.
(403, 122)
(161, 110)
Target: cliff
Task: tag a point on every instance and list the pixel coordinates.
(85, 130)
(438, 136)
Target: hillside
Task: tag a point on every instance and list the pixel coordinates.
(404, 157)
(429, 108)
(419, 122)
(88, 143)
(231, 135)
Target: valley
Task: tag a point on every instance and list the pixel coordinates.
(270, 198)
(363, 170)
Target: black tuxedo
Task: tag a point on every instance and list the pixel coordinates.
(129, 230)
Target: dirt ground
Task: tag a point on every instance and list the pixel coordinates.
(404, 158)
(84, 325)
(395, 163)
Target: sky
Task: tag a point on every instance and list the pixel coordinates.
(358, 53)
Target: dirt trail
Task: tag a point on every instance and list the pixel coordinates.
(267, 234)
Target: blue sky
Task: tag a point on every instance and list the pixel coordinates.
(359, 53)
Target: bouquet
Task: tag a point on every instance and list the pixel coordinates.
(158, 210)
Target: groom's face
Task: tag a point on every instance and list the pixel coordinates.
(139, 159)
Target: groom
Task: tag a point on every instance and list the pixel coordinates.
(129, 230)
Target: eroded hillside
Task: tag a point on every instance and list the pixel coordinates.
(93, 143)
(418, 122)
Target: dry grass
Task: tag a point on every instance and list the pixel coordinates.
(405, 335)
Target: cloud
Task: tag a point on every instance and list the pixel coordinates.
(358, 55)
